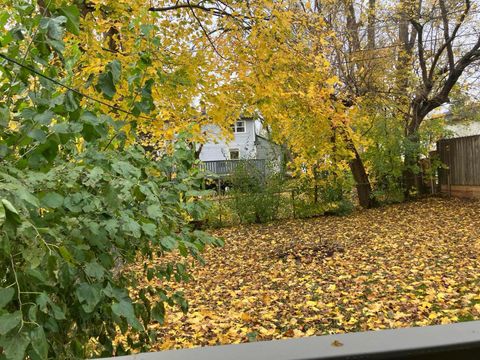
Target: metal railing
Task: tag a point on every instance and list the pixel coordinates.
(453, 341)
(227, 167)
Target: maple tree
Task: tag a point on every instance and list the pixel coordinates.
(273, 64)
(232, 58)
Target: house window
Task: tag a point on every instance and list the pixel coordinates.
(239, 127)
(234, 154)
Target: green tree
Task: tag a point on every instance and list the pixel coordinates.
(80, 202)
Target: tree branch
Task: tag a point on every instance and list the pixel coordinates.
(421, 55)
(448, 39)
(205, 32)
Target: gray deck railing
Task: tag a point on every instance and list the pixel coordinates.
(453, 341)
(227, 167)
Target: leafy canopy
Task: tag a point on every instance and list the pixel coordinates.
(78, 199)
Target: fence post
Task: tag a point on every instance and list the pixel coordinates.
(220, 211)
(449, 171)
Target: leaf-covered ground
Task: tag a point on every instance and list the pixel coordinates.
(405, 265)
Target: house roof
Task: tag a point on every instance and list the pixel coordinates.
(264, 138)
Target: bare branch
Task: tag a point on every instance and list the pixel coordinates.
(449, 39)
(205, 32)
(183, 6)
(446, 34)
(421, 55)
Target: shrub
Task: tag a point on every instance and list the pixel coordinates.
(79, 204)
(327, 195)
(67, 235)
(255, 196)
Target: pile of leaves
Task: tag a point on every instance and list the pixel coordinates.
(405, 265)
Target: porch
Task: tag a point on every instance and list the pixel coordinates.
(227, 167)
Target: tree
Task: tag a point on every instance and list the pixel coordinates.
(442, 56)
(273, 62)
(79, 201)
(406, 57)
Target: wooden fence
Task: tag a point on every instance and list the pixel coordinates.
(461, 157)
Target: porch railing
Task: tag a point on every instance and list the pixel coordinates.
(453, 341)
(227, 167)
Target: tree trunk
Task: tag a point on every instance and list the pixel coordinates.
(197, 151)
(357, 167)
(413, 180)
(371, 24)
(364, 189)
(412, 174)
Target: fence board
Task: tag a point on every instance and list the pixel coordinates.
(462, 158)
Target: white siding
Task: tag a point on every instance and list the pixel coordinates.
(268, 150)
(467, 129)
(271, 152)
(220, 149)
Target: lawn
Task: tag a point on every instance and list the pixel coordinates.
(412, 264)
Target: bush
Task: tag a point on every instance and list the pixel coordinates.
(255, 196)
(337, 199)
(329, 196)
(221, 213)
(67, 235)
(79, 205)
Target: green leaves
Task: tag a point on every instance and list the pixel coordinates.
(52, 32)
(89, 296)
(15, 347)
(8, 213)
(52, 200)
(106, 86)
(126, 169)
(9, 207)
(38, 135)
(95, 270)
(158, 312)
(83, 217)
(4, 116)
(73, 18)
(6, 296)
(3, 214)
(44, 118)
(78, 206)
(9, 321)
(115, 68)
(154, 211)
(39, 343)
(107, 80)
(70, 102)
(168, 243)
(146, 103)
(124, 309)
(54, 27)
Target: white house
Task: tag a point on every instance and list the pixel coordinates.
(464, 129)
(246, 144)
